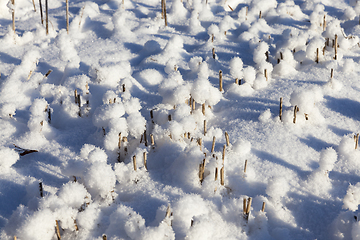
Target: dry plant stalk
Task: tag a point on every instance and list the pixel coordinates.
(212, 37)
(216, 174)
(41, 13)
(47, 17)
(168, 212)
(104, 237)
(267, 56)
(145, 138)
(14, 237)
(213, 53)
(248, 207)
(123, 87)
(332, 73)
(145, 159)
(223, 154)
(220, 81)
(227, 139)
(67, 16)
(169, 117)
(123, 4)
(164, 10)
(119, 143)
(204, 127)
(76, 226)
(193, 104)
(306, 116)
(76, 96)
(48, 73)
(336, 46)
(134, 162)
(152, 140)
(13, 15)
(231, 8)
(200, 143)
(41, 189)
(236, 81)
(266, 74)
(34, 5)
(203, 109)
(57, 230)
(317, 55)
(213, 144)
(324, 23)
(263, 207)
(244, 205)
(260, 15)
(356, 138)
(245, 167)
(201, 171)
(222, 176)
(151, 114)
(281, 108)
(296, 109)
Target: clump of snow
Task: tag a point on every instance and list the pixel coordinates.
(8, 157)
(99, 179)
(150, 77)
(265, 116)
(236, 65)
(277, 188)
(352, 198)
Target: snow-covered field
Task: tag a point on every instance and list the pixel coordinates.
(124, 88)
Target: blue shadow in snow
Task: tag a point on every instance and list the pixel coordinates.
(347, 107)
(315, 143)
(271, 158)
(11, 196)
(339, 131)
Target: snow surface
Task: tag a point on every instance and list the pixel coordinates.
(121, 78)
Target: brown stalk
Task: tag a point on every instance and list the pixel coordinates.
(152, 140)
(356, 138)
(263, 207)
(223, 154)
(222, 177)
(57, 230)
(296, 109)
(281, 107)
(13, 15)
(220, 81)
(213, 144)
(41, 12)
(266, 74)
(204, 127)
(41, 189)
(245, 167)
(47, 17)
(67, 16)
(213, 53)
(34, 5)
(227, 139)
(145, 159)
(336, 46)
(134, 162)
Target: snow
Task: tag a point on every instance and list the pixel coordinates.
(118, 128)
